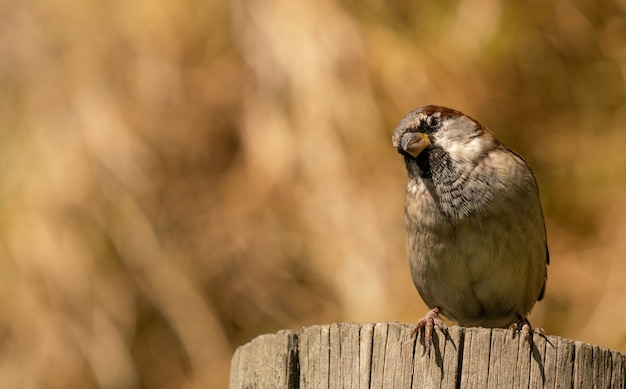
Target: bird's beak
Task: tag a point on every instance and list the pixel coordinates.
(414, 143)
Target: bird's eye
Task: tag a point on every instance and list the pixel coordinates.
(433, 121)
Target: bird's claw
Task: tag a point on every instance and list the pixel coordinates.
(429, 322)
(525, 330)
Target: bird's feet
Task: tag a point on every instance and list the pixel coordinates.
(429, 322)
(523, 326)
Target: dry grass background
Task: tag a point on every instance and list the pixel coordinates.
(179, 177)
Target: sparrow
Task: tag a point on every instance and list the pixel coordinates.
(476, 237)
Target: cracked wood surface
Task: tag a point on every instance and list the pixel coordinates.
(385, 355)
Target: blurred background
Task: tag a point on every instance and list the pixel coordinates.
(180, 177)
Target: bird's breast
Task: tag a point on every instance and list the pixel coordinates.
(480, 269)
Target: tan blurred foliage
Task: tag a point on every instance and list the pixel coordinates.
(179, 177)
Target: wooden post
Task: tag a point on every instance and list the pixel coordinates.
(385, 355)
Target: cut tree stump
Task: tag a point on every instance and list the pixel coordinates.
(386, 355)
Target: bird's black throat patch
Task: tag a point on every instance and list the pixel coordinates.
(435, 161)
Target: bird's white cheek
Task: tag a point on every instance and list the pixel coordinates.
(469, 151)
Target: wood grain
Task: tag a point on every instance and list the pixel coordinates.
(387, 355)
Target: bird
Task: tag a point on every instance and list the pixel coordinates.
(475, 231)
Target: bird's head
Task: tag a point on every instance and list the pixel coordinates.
(432, 133)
